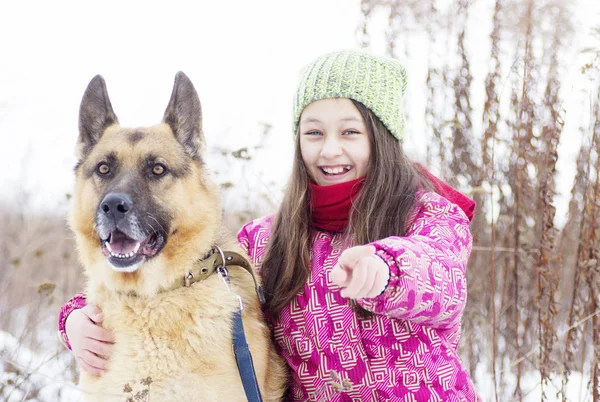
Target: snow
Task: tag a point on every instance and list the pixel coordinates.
(39, 376)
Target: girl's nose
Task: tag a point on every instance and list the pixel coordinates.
(331, 147)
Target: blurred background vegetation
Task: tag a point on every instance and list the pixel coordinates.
(534, 285)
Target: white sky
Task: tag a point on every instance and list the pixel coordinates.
(243, 57)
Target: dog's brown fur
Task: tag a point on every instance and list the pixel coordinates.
(180, 338)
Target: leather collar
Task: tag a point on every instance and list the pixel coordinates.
(214, 259)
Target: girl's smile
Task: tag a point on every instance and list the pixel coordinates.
(334, 174)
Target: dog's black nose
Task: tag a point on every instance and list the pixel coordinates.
(116, 204)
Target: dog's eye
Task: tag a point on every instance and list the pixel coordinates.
(103, 169)
(159, 169)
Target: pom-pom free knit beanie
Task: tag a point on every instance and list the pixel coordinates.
(378, 83)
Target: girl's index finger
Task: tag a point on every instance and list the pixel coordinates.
(352, 256)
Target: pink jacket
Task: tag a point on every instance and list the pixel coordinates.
(406, 351)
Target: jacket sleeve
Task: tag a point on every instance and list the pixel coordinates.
(78, 301)
(243, 238)
(253, 237)
(427, 266)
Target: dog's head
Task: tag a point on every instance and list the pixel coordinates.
(144, 207)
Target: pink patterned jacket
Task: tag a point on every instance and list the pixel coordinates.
(406, 351)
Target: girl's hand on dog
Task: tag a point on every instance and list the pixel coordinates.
(360, 273)
(90, 343)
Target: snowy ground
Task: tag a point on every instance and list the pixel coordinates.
(577, 390)
(28, 376)
(46, 377)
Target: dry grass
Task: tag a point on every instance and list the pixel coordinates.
(39, 272)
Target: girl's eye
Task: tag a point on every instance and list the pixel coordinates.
(350, 132)
(159, 169)
(103, 169)
(314, 132)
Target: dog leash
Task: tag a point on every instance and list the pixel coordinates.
(243, 357)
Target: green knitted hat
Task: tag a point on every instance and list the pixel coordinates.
(376, 82)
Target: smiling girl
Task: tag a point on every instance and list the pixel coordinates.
(364, 263)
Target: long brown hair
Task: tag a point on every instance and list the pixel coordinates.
(380, 210)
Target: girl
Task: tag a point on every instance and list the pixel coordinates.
(364, 264)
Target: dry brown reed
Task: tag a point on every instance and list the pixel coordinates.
(533, 286)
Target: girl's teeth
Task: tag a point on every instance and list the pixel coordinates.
(336, 170)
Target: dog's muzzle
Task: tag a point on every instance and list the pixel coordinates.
(122, 238)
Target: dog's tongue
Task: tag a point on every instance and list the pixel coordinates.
(120, 243)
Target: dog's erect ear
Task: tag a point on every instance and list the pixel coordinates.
(184, 116)
(95, 115)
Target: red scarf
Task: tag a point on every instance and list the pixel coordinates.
(331, 204)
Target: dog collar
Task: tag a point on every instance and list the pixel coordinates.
(213, 260)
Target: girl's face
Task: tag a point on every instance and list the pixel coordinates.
(334, 142)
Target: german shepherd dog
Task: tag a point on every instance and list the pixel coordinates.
(146, 215)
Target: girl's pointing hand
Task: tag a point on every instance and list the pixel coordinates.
(360, 273)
